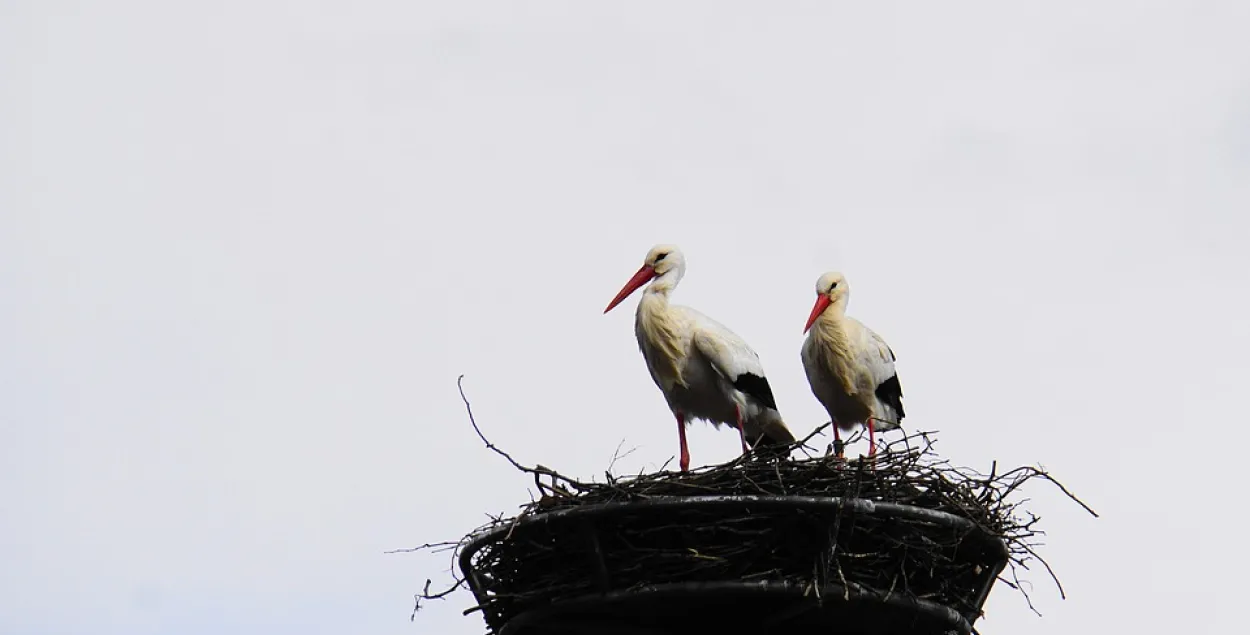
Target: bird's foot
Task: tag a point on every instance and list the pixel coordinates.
(835, 450)
(839, 448)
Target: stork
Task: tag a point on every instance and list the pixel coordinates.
(850, 368)
(704, 370)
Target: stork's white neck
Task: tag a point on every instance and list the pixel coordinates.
(832, 317)
(664, 283)
(658, 332)
(655, 297)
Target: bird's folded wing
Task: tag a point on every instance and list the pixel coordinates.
(734, 360)
(878, 358)
(874, 355)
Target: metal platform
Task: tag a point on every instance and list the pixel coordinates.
(612, 606)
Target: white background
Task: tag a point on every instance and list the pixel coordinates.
(247, 247)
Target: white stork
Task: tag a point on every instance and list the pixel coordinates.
(850, 368)
(704, 370)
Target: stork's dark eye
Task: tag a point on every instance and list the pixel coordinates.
(660, 257)
(833, 286)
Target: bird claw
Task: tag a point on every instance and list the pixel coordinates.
(839, 448)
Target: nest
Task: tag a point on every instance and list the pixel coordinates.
(905, 525)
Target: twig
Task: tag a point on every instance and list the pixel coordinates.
(616, 456)
(433, 546)
(1059, 585)
(1019, 587)
(821, 428)
(539, 470)
(1036, 473)
(426, 595)
(490, 446)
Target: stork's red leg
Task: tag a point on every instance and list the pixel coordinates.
(681, 434)
(872, 438)
(837, 441)
(742, 434)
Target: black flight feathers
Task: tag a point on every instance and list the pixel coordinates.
(757, 387)
(890, 392)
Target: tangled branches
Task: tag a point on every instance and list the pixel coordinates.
(909, 524)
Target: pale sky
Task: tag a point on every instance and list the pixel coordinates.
(247, 247)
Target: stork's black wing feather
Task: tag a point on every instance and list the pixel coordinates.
(890, 392)
(757, 387)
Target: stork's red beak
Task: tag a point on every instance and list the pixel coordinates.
(822, 303)
(644, 275)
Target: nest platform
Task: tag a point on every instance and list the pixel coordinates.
(906, 544)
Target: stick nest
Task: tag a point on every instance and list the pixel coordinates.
(531, 565)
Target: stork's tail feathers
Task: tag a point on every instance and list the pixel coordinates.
(894, 421)
(882, 425)
(776, 435)
(773, 431)
(774, 443)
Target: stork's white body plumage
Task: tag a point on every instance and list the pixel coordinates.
(849, 367)
(698, 380)
(704, 370)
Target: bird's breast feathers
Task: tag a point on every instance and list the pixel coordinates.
(832, 353)
(660, 338)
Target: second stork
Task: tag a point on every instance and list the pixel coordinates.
(850, 368)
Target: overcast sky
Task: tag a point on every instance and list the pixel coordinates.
(247, 247)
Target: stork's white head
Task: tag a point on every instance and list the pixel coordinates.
(665, 262)
(665, 258)
(831, 289)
